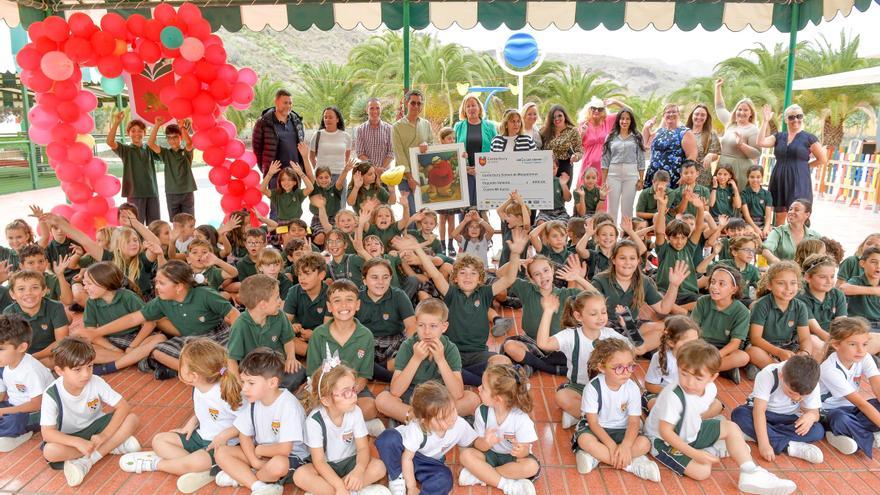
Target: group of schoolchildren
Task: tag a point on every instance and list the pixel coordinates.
(285, 330)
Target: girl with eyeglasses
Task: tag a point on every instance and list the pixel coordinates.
(612, 415)
(790, 178)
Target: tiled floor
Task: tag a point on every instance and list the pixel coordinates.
(166, 405)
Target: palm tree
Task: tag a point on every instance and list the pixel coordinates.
(644, 108)
(572, 88)
(323, 85)
(764, 65)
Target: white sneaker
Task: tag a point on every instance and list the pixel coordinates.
(270, 489)
(8, 444)
(568, 420)
(223, 479)
(844, 444)
(763, 482)
(129, 446)
(645, 469)
(465, 478)
(375, 490)
(398, 486)
(585, 462)
(718, 449)
(76, 470)
(138, 462)
(805, 451)
(375, 427)
(522, 487)
(193, 482)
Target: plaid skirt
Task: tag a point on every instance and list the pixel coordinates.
(174, 345)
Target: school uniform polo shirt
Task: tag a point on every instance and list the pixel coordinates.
(675, 197)
(668, 256)
(246, 267)
(246, 335)
(357, 352)
(284, 285)
(591, 198)
(468, 317)
(615, 295)
(780, 327)
(724, 203)
(646, 203)
(385, 234)
(332, 197)
(365, 194)
(288, 204)
(427, 369)
(10, 256)
(436, 247)
(824, 311)
(178, 170)
(213, 277)
(597, 263)
(849, 268)
(867, 307)
(99, 312)
(721, 326)
(56, 250)
(385, 316)
(308, 312)
(138, 171)
(757, 202)
(50, 316)
(52, 285)
(201, 311)
(5, 300)
(530, 295)
(349, 267)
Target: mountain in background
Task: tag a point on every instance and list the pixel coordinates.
(276, 55)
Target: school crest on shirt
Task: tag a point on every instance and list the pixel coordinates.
(276, 425)
(44, 326)
(361, 353)
(274, 338)
(21, 387)
(791, 323)
(476, 304)
(624, 407)
(214, 413)
(510, 437)
(348, 437)
(94, 404)
(202, 319)
(385, 316)
(319, 310)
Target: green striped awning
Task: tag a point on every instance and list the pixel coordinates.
(759, 15)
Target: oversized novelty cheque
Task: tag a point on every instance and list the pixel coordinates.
(528, 172)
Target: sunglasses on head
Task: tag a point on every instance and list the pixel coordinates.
(792, 118)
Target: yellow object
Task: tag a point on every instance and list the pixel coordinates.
(86, 139)
(393, 176)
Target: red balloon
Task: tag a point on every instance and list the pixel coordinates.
(219, 136)
(182, 66)
(94, 169)
(242, 93)
(168, 94)
(234, 148)
(63, 211)
(201, 140)
(165, 13)
(263, 208)
(86, 101)
(206, 71)
(81, 25)
(68, 111)
(79, 153)
(230, 203)
(203, 103)
(110, 66)
(180, 108)
(219, 176)
(132, 63)
(84, 124)
(36, 30)
(36, 80)
(239, 169)
(189, 12)
(66, 90)
(251, 197)
(64, 133)
(56, 152)
(28, 57)
(215, 54)
(236, 187)
(77, 192)
(97, 206)
(103, 43)
(214, 156)
(135, 24)
(203, 122)
(200, 29)
(56, 28)
(77, 49)
(149, 51)
(252, 179)
(107, 186)
(228, 73)
(153, 30)
(114, 24)
(83, 221)
(220, 89)
(188, 87)
(68, 172)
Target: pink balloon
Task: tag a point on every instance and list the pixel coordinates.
(41, 116)
(86, 101)
(252, 179)
(192, 49)
(249, 157)
(107, 186)
(64, 133)
(79, 153)
(97, 206)
(201, 140)
(77, 192)
(182, 66)
(234, 148)
(83, 221)
(63, 211)
(242, 93)
(263, 208)
(94, 169)
(68, 172)
(219, 176)
(247, 76)
(112, 215)
(56, 152)
(84, 124)
(40, 135)
(57, 66)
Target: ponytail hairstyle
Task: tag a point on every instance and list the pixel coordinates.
(511, 384)
(577, 303)
(773, 271)
(430, 400)
(844, 327)
(807, 247)
(603, 350)
(636, 281)
(208, 359)
(323, 383)
(815, 261)
(674, 328)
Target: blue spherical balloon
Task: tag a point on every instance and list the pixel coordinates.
(112, 86)
(521, 50)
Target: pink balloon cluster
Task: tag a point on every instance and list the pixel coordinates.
(205, 86)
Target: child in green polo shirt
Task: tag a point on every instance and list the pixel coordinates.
(724, 320)
(424, 356)
(561, 195)
(192, 310)
(179, 181)
(270, 262)
(109, 300)
(207, 267)
(387, 311)
(724, 199)
(589, 195)
(742, 256)
(33, 257)
(551, 240)
(287, 197)
(56, 243)
(264, 325)
(382, 221)
(757, 203)
(138, 168)
(343, 265)
(677, 242)
(850, 267)
(779, 326)
(345, 338)
(46, 317)
(863, 292)
(646, 205)
(365, 186)
(682, 199)
(255, 241)
(825, 301)
(306, 302)
(330, 198)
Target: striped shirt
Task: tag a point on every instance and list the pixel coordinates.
(520, 143)
(374, 142)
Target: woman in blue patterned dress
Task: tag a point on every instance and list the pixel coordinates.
(672, 144)
(790, 178)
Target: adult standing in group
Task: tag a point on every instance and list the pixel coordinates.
(595, 124)
(330, 145)
(276, 135)
(560, 136)
(623, 164)
(790, 178)
(476, 132)
(511, 136)
(708, 146)
(782, 241)
(739, 147)
(671, 145)
(529, 113)
(372, 139)
(411, 131)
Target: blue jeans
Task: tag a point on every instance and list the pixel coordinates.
(780, 428)
(433, 475)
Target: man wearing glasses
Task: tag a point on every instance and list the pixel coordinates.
(411, 131)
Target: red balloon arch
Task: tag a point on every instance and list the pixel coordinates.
(205, 85)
